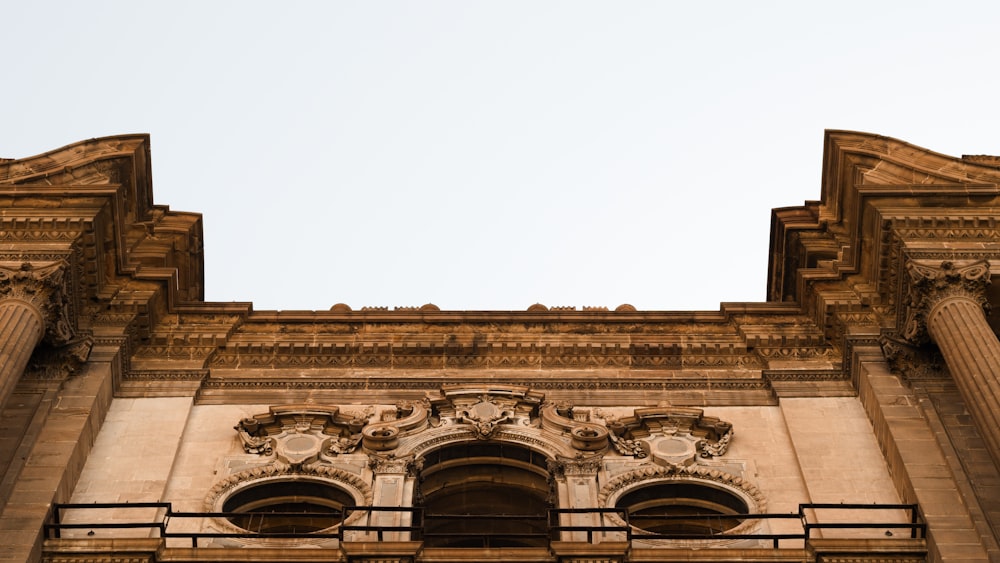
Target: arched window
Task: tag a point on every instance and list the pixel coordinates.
(485, 494)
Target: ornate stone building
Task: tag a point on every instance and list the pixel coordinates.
(854, 416)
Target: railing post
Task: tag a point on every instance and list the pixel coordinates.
(55, 518)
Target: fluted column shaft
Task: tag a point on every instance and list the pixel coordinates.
(970, 348)
(21, 329)
(33, 307)
(947, 304)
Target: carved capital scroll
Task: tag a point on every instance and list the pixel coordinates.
(931, 284)
(44, 289)
(586, 466)
(392, 465)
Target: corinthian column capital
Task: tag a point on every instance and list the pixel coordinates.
(43, 288)
(931, 284)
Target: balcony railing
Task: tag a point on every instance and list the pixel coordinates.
(369, 523)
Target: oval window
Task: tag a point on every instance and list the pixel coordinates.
(291, 506)
(682, 508)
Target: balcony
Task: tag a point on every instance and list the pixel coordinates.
(96, 533)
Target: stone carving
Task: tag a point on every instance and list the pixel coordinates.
(44, 288)
(277, 469)
(485, 416)
(498, 355)
(380, 438)
(930, 284)
(577, 466)
(624, 481)
(485, 408)
(713, 449)
(342, 445)
(671, 435)
(625, 446)
(584, 435)
(300, 433)
(248, 430)
(408, 465)
(912, 362)
(407, 418)
(60, 362)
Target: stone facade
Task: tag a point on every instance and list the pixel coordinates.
(141, 423)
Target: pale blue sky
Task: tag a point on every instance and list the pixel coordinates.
(490, 155)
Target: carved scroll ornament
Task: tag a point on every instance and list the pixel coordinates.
(43, 288)
(407, 418)
(670, 434)
(300, 433)
(485, 408)
(584, 435)
(931, 284)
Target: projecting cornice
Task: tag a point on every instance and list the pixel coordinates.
(837, 279)
(884, 204)
(89, 206)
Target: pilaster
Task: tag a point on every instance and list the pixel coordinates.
(576, 487)
(394, 482)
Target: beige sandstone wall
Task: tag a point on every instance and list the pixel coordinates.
(805, 450)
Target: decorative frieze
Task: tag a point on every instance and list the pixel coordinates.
(498, 355)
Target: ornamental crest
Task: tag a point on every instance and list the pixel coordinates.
(670, 435)
(298, 434)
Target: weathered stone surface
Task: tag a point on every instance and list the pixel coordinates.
(844, 388)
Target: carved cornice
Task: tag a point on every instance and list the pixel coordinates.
(930, 284)
(44, 289)
(885, 202)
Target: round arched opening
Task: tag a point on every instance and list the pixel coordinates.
(683, 508)
(288, 506)
(485, 494)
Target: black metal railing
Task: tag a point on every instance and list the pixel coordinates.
(486, 530)
(361, 523)
(630, 526)
(916, 525)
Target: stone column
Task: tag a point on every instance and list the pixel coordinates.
(947, 304)
(32, 307)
